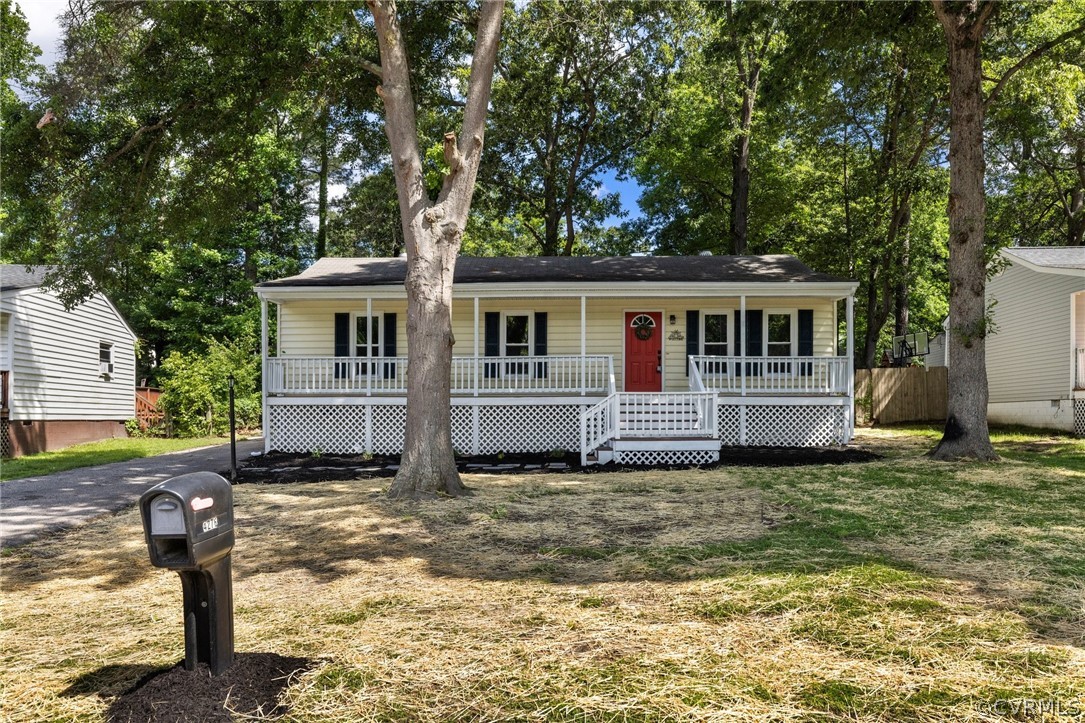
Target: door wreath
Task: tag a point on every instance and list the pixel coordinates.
(643, 326)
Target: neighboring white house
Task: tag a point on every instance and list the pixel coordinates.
(1036, 357)
(637, 359)
(938, 347)
(68, 376)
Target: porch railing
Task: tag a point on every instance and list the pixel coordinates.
(667, 414)
(773, 374)
(570, 374)
(1079, 368)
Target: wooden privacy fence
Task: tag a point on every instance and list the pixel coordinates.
(907, 394)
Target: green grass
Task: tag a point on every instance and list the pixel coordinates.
(94, 453)
(897, 590)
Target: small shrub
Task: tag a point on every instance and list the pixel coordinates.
(195, 388)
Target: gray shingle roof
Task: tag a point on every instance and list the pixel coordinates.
(1055, 257)
(18, 276)
(479, 270)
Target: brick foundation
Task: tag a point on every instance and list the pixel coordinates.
(30, 437)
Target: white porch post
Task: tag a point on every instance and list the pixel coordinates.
(369, 347)
(475, 426)
(742, 369)
(264, 374)
(742, 341)
(583, 345)
(475, 334)
(850, 381)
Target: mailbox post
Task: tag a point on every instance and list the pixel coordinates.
(188, 522)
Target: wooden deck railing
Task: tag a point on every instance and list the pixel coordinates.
(4, 392)
(571, 374)
(148, 414)
(1079, 368)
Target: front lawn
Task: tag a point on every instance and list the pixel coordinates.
(102, 452)
(896, 590)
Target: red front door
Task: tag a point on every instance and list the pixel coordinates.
(643, 351)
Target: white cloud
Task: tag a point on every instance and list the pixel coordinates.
(44, 26)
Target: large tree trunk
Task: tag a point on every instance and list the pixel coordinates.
(1075, 224)
(740, 177)
(322, 193)
(432, 234)
(966, 434)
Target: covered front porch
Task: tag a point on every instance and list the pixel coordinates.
(636, 372)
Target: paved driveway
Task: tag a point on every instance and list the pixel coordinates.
(32, 506)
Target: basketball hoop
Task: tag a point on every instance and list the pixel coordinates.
(908, 346)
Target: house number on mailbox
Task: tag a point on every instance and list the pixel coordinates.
(211, 524)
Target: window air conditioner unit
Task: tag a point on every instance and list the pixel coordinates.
(106, 368)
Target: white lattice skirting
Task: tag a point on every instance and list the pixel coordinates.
(666, 456)
(779, 425)
(378, 428)
(1079, 417)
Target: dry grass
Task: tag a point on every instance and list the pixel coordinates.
(822, 593)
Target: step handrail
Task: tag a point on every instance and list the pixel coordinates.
(598, 424)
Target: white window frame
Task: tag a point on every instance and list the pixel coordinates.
(107, 372)
(360, 370)
(510, 369)
(722, 368)
(792, 342)
(729, 314)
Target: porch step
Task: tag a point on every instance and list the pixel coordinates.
(662, 451)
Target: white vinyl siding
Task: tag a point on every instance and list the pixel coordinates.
(307, 327)
(56, 368)
(5, 346)
(1029, 355)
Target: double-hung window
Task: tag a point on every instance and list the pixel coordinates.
(105, 360)
(779, 340)
(367, 338)
(715, 342)
(516, 340)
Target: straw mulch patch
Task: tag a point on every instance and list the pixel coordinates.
(811, 593)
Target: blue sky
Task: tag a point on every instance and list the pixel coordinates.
(629, 192)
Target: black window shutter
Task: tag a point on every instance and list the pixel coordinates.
(806, 338)
(541, 368)
(754, 337)
(693, 335)
(492, 340)
(342, 343)
(736, 348)
(390, 345)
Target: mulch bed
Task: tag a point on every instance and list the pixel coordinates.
(279, 467)
(250, 687)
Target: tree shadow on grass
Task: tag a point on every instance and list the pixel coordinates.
(252, 686)
(580, 531)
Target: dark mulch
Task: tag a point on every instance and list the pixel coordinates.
(251, 686)
(279, 467)
(792, 456)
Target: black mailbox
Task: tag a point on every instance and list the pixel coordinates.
(188, 522)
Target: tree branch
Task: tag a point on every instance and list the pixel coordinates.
(372, 67)
(162, 123)
(1029, 59)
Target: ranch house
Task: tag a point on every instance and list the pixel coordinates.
(643, 359)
